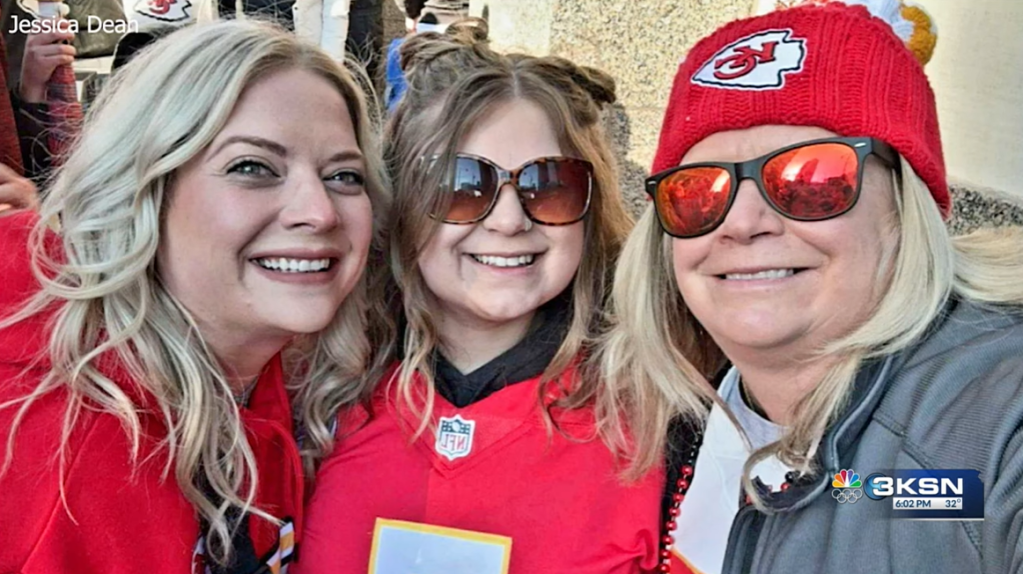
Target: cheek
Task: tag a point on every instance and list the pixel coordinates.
(198, 254)
(438, 258)
(855, 251)
(685, 255)
(867, 266)
(192, 240)
(216, 223)
(357, 217)
(569, 240)
(565, 252)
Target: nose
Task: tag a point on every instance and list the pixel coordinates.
(750, 216)
(309, 204)
(507, 217)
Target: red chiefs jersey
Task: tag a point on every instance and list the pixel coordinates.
(99, 512)
(491, 468)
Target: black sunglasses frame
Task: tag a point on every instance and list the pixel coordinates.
(512, 176)
(753, 169)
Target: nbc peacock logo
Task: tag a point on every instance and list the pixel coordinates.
(847, 486)
(847, 479)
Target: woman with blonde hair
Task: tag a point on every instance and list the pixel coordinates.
(798, 198)
(219, 204)
(478, 451)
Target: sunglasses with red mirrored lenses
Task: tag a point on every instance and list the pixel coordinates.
(808, 181)
(551, 190)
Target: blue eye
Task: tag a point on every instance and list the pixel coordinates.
(251, 168)
(347, 181)
(349, 177)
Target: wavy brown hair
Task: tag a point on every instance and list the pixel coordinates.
(454, 80)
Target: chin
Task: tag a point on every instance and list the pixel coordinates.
(753, 329)
(503, 312)
(761, 336)
(302, 320)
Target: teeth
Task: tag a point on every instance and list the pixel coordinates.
(769, 274)
(495, 261)
(286, 265)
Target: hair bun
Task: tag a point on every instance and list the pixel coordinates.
(424, 48)
(469, 31)
(600, 85)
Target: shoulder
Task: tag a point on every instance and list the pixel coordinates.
(974, 348)
(24, 342)
(18, 280)
(97, 444)
(96, 493)
(958, 396)
(16, 264)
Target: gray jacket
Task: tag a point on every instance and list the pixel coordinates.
(953, 401)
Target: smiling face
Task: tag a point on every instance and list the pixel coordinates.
(267, 229)
(764, 283)
(503, 268)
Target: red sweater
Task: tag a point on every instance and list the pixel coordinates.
(114, 517)
(559, 500)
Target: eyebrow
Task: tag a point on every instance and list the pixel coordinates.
(252, 140)
(347, 155)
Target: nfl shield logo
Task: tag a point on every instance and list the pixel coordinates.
(454, 437)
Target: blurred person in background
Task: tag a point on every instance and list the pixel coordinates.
(15, 190)
(43, 53)
(417, 20)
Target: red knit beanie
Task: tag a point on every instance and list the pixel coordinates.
(828, 65)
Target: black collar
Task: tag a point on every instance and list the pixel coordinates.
(526, 360)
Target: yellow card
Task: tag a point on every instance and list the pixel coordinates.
(401, 547)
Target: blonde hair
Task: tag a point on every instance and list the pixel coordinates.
(160, 111)
(454, 80)
(659, 357)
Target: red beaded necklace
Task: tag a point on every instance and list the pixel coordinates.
(686, 471)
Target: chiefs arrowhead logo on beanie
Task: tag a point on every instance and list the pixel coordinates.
(830, 65)
(757, 62)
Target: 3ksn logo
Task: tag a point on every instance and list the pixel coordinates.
(930, 494)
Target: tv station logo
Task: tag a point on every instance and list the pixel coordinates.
(846, 486)
(917, 494)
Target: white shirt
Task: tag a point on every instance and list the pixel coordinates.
(706, 515)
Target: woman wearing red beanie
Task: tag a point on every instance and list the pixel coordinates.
(871, 415)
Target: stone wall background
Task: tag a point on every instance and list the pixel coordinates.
(640, 43)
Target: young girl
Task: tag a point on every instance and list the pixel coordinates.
(205, 221)
(481, 449)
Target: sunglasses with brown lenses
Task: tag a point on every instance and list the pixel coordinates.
(551, 190)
